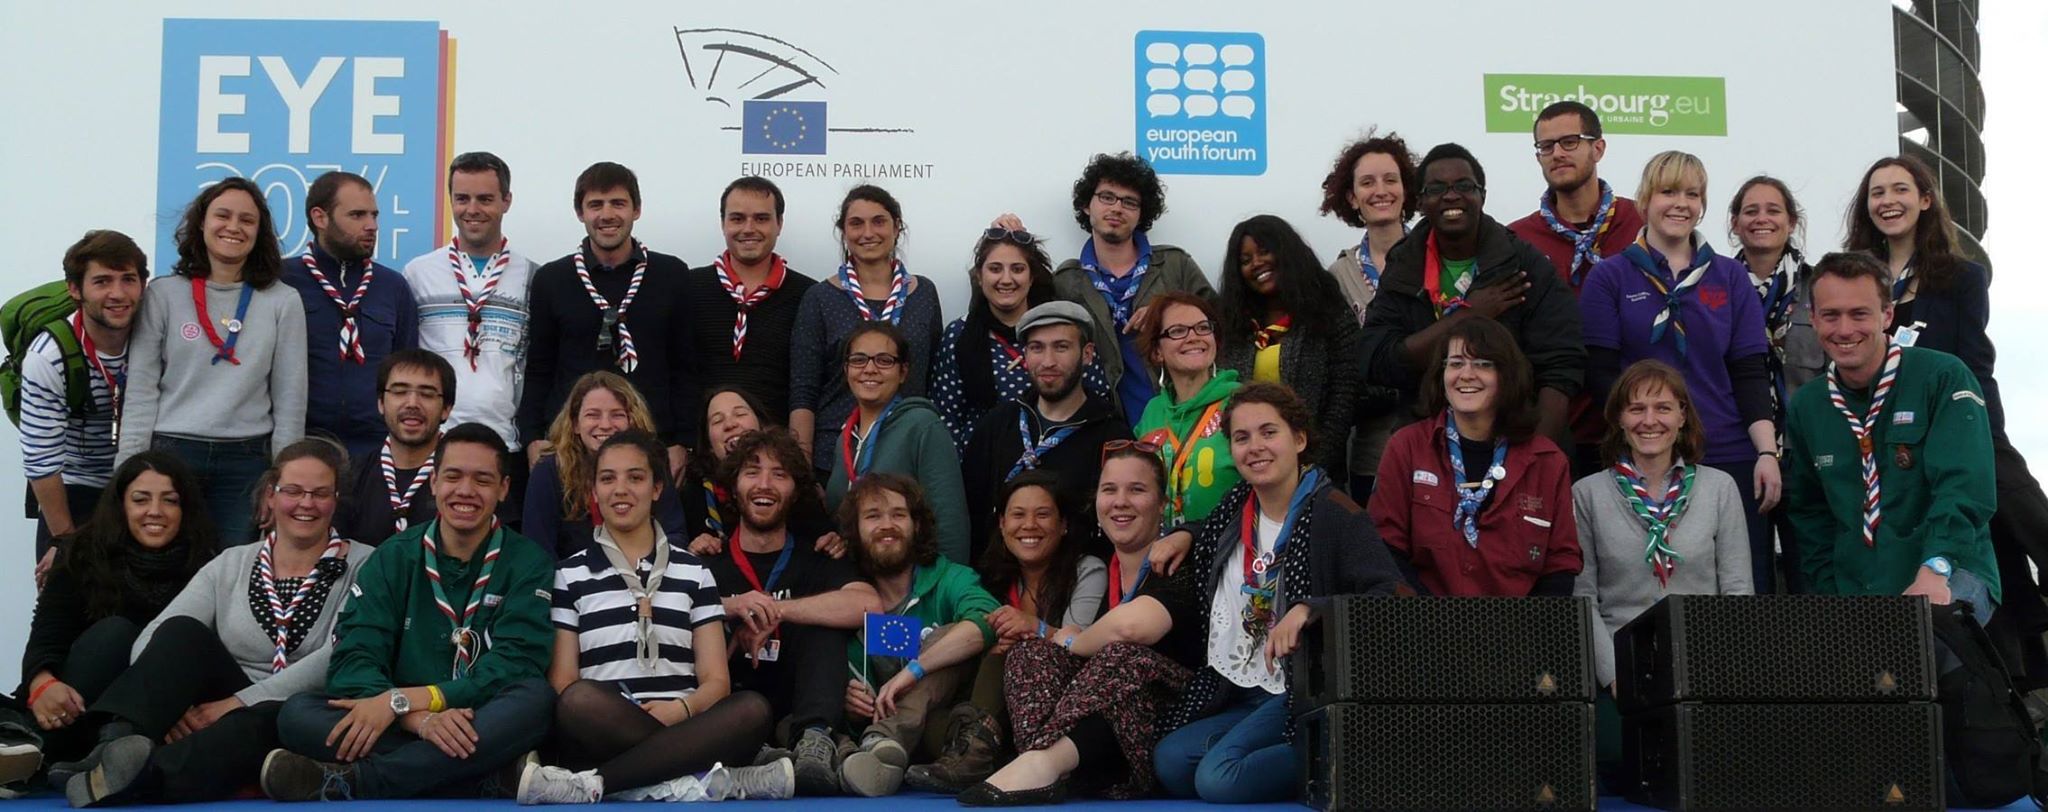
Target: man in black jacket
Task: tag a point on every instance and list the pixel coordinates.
(1459, 263)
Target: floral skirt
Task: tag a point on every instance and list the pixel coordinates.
(1048, 689)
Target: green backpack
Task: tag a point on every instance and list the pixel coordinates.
(43, 308)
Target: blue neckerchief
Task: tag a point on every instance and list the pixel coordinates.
(1585, 244)
(1904, 281)
(1032, 451)
(1123, 300)
(235, 327)
(1311, 480)
(866, 458)
(1652, 264)
(1365, 266)
(1471, 499)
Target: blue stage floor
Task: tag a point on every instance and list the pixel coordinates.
(909, 800)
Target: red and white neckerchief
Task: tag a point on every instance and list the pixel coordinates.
(742, 300)
(1863, 427)
(629, 358)
(281, 612)
(892, 308)
(401, 503)
(492, 272)
(351, 338)
(92, 356)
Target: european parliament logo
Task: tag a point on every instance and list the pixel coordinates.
(777, 127)
(1201, 102)
(282, 102)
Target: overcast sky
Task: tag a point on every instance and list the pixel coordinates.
(2015, 63)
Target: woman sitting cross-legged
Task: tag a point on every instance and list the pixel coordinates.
(248, 632)
(640, 661)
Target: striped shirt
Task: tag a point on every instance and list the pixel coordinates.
(53, 440)
(591, 600)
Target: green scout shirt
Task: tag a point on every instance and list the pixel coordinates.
(392, 635)
(940, 594)
(1933, 449)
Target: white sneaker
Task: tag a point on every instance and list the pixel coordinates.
(541, 784)
(774, 781)
(687, 789)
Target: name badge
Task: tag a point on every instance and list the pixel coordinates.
(1425, 478)
(770, 651)
(493, 600)
(1902, 418)
(1908, 334)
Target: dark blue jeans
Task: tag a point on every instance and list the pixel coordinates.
(402, 765)
(227, 472)
(1238, 756)
(1763, 547)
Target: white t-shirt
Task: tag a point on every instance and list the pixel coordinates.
(489, 394)
(1241, 657)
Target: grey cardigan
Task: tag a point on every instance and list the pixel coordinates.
(218, 596)
(1711, 539)
(175, 388)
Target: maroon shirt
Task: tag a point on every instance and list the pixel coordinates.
(1585, 412)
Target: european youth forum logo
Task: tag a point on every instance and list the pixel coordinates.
(1202, 102)
(282, 102)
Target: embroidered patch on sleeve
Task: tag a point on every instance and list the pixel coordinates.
(1966, 394)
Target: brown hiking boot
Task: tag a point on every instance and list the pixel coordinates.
(973, 749)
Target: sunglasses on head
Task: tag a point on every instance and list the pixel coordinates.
(1019, 236)
(1114, 446)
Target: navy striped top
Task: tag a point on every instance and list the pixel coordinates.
(592, 601)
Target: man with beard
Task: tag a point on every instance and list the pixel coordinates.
(1060, 427)
(357, 311)
(791, 608)
(1888, 460)
(458, 594)
(388, 492)
(71, 379)
(612, 305)
(746, 300)
(1459, 263)
(889, 700)
(1117, 200)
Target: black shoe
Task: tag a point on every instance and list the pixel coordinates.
(986, 794)
(121, 762)
(288, 776)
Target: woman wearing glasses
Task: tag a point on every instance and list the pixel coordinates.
(1283, 320)
(560, 513)
(1011, 274)
(1185, 420)
(890, 432)
(1472, 501)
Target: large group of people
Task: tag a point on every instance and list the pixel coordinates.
(801, 535)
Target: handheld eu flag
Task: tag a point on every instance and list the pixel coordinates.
(776, 127)
(892, 636)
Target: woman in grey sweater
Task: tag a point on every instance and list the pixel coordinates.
(1655, 522)
(249, 631)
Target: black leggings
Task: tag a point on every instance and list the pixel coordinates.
(597, 726)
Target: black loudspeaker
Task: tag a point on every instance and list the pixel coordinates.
(1776, 648)
(1706, 757)
(1447, 650)
(1453, 758)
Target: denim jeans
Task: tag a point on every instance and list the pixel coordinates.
(402, 765)
(1238, 756)
(227, 472)
(1964, 585)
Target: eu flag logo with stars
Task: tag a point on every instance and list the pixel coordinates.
(892, 635)
(774, 127)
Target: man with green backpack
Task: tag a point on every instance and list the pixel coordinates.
(67, 346)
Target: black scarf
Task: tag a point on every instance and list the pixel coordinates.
(971, 354)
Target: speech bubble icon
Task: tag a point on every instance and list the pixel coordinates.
(1201, 106)
(1201, 79)
(1200, 53)
(1162, 104)
(1162, 79)
(1162, 53)
(1237, 55)
(1237, 81)
(1239, 106)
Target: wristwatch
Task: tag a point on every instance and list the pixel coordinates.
(1940, 566)
(399, 704)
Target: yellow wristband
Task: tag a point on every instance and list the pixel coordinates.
(435, 701)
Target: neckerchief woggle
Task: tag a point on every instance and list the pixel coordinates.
(351, 335)
(222, 350)
(1120, 307)
(1261, 571)
(1863, 429)
(1657, 519)
(464, 638)
(1585, 243)
(1471, 498)
(401, 501)
(1033, 451)
(628, 355)
(646, 647)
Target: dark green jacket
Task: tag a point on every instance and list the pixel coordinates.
(913, 441)
(940, 594)
(392, 635)
(1934, 470)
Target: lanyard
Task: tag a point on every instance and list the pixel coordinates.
(464, 639)
(615, 317)
(1117, 595)
(1007, 348)
(222, 350)
(1863, 428)
(1033, 451)
(281, 613)
(401, 502)
(1179, 479)
(746, 566)
(1432, 281)
(1472, 497)
(493, 271)
(115, 383)
(892, 308)
(860, 453)
(351, 335)
(743, 301)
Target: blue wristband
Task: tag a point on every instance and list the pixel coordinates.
(1042, 630)
(916, 671)
(1068, 643)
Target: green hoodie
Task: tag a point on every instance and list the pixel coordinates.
(1208, 471)
(912, 440)
(940, 594)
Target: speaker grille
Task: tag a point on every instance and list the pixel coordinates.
(1468, 758)
(1777, 648)
(1706, 757)
(1448, 650)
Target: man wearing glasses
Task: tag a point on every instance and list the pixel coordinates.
(387, 492)
(1119, 271)
(1459, 263)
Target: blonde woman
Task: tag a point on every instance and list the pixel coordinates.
(558, 515)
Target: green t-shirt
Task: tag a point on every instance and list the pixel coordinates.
(1455, 279)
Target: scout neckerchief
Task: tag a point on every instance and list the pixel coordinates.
(892, 308)
(1779, 296)
(281, 613)
(222, 350)
(1586, 243)
(492, 271)
(742, 300)
(1863, 428)
(1035, 450)
(646, 648)
(1179, 479)
(629, 358)
(714, 520)
(745, 565)
(401, 501)
(464, 638)
(1267, 335)
(859, 452)
(1262, 571)
(115, 383)
(1904, 282)
(1365, 266)
(1117, 594)
(1641, 255)
(1120, 307)
(1007, 348)
(1659, 517)
(1472, 496)
(351, 337)
(1433, 283)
